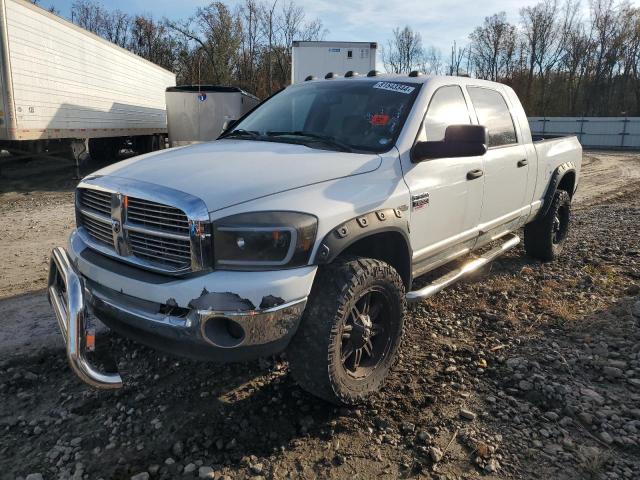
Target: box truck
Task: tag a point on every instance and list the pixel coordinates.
(66, 90)
(316, 59)
(198, 113)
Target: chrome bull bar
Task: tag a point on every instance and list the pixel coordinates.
(66, 295)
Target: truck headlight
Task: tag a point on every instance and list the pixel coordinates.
(263, 240)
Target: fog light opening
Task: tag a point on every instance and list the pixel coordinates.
(224, 332)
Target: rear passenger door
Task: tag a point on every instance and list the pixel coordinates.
(505, 163)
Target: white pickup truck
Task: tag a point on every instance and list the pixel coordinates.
(303, 227)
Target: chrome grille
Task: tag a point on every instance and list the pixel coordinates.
(98, 230)
(156, 215)
(96, 201)
(151, 234)
(95, 214)
(169, 251)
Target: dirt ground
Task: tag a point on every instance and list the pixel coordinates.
(528, 371)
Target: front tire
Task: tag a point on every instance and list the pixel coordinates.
(350, 332)
(544, 238)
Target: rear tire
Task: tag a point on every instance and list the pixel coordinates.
(544, 238)
(350, 332)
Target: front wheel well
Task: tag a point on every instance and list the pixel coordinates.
(390, 247)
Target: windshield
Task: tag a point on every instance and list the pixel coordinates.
(350, 115)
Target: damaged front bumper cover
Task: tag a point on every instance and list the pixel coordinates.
(201, 333)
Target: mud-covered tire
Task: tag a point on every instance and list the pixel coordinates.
(315, 351)
(544, 238)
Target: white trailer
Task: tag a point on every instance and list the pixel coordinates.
(316, 59)
(62, 86)
(198, 113)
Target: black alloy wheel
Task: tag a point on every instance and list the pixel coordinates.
(365, 333)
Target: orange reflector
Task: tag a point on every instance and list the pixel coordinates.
(125, 201)
(90, 340)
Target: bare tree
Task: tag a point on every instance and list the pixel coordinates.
(493, 47)
(249, 59)
(458, 54)
(89, 15)
(431, 61)
(290, 25)
(404, 51)
(117, 28)
(218, 33)
(151, 40)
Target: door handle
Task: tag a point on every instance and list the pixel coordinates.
(523, 162)
(473, 174)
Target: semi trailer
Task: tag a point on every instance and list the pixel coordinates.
(65, 91)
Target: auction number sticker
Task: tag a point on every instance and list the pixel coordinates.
(394, 87)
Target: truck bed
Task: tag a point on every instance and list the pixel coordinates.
(553, 151)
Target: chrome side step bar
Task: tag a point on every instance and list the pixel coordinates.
(66, 295)
(509, 241)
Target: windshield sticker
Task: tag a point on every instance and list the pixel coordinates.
(394, 87)
(379, 119)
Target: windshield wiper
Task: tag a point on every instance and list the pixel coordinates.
(242, 133)
(314, 137)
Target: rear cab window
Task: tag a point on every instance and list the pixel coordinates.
(493, 112)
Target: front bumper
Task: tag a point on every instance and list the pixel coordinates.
(66, 295)
(197, 332)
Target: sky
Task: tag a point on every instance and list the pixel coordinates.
(440, 22)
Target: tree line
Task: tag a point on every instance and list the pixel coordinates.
(560, 58)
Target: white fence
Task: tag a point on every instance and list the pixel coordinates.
(593, 132)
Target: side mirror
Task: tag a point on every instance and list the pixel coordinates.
(459, 141)
(228, 125)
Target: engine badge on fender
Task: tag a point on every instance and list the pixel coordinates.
(419, 201)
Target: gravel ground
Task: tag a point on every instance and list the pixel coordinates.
(528, 370)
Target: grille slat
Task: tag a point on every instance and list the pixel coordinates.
(105, 196)
(166, 257)
(179, 249)
(98, 230)
(158, 216)
(175, 251)
(154, 246)
(95, 200)
(179, 215)
(145, 220)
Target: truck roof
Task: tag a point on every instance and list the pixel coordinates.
(397, 77)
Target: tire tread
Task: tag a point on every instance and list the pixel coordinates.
(311, 349)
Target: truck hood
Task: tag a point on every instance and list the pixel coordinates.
(227, 172)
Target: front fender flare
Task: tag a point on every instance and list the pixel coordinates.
(349, 232)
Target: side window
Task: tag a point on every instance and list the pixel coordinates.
(493, 113)
(447, 107)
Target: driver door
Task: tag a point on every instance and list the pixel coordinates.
(446, 200)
